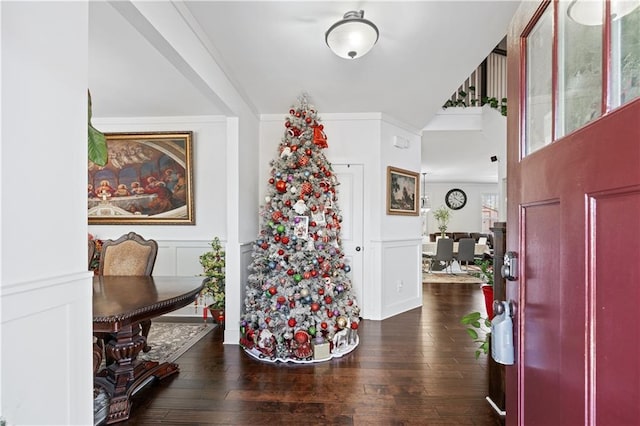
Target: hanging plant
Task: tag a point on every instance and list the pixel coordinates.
(97, 147)
(495, 103)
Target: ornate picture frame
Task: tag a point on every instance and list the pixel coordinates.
(148, 180)
(403, 192)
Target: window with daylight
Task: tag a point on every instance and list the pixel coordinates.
(625, 52)
(489, 211)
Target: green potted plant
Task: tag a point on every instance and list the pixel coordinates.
(213, 263)
(479, 327)
(442, 214)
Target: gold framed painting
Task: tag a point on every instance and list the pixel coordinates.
(403, 192)
(148, 180)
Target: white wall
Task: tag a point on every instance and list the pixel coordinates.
(467, 219)
(209, 176)
(45, 288)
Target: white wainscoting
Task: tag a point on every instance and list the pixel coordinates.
(181, 258)
(47, 326)
(401, 276)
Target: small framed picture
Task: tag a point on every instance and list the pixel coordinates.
(301, 227)
(403, 192)
(318, 218)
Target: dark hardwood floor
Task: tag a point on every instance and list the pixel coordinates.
(417, 368)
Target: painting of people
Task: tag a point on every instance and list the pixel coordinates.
(147, 180)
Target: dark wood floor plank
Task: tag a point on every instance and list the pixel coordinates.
(417, 368)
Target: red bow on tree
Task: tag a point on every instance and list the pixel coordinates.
(319, 138)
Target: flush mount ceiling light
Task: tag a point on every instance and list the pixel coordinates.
(589, 12)
(353, 36)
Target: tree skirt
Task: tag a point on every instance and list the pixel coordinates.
(337, 353)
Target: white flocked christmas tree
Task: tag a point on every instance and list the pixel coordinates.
(299, 304)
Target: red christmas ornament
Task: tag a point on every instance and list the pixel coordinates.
(272, 181)
(285, 240)
(306, 188)
(329, 313)
(292, 322)
(321, 291)
(281, 300)
(290, 272)
(308, 120)
(327, 173)
(267, 320)
(315, 307)
(312, 223)
(276, 238)
(317, 194)
(298, 114)
(323, 325)
(301, 337)
(303, 161)
(306, 275)
(292, 111)
(292, 304)
(287, 203)
(354, 325)
(277, 215)
(308, 151)
(264, 246)
(320, 259)
(294, 148)
(328, 300)
(314, 208)
(280, 252)
(314, 273)
(287, 124)
(273, 290)
(281, 186)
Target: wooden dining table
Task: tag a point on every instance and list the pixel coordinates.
(120, 303)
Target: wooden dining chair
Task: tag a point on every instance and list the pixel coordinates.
(92, 252)
(130, 254)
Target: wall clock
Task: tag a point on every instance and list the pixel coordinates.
(455, 199)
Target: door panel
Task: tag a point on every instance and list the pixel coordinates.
(350, 201)
(617, 382)
(541, 309)
(574, 219)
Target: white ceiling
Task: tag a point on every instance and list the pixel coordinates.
(274, 50)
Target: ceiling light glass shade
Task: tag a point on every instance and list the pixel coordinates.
(589, 12)
(353, 36)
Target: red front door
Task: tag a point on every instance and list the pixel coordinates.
(574, 221)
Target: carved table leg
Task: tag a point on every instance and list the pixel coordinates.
(126, 374)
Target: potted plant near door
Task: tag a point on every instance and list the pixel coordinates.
(442, 214)
(479, 327)
(213, 263)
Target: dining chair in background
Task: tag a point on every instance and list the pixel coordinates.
(466, 251)
(444, 253)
